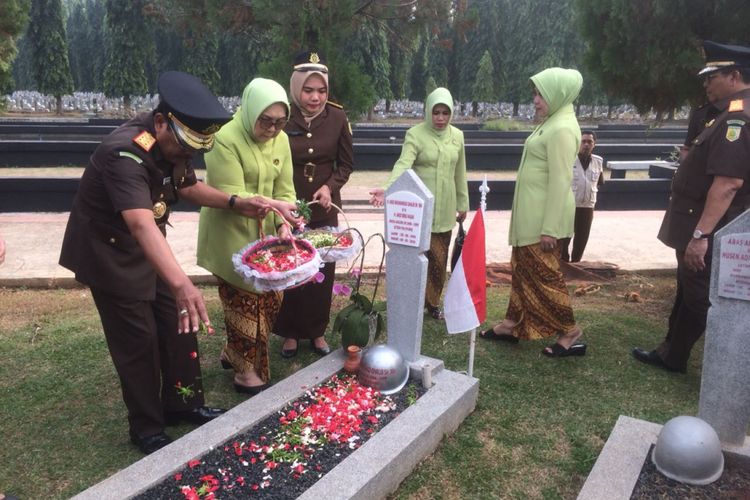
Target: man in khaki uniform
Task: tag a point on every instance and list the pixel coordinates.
(115, 243)
(711, 187)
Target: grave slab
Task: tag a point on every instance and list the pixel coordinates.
(371, 472)
(616, 471)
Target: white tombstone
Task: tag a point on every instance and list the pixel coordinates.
(725, 384)
(409, 207)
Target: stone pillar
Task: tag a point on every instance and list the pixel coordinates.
(408, 222)
(725, 384)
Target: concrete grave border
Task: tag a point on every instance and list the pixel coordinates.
(373, 471)
(616, 471)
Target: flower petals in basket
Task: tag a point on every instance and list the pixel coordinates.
(275, 264)
(334, 245)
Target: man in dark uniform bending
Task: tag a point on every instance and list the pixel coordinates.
(711, 187)
(115, 243)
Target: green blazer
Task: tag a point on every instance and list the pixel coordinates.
(543, 202)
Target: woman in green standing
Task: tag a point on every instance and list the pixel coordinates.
(250, 157)
(435, 150)
(542, 213)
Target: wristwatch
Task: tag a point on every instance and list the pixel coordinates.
(700, 235)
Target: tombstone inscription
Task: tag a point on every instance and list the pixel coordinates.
(408, 222)
(724, 397)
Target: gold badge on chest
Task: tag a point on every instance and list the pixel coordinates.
(160, 208)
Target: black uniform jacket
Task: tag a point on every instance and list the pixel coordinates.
(322, 153)
(723, 149)
(126, 171)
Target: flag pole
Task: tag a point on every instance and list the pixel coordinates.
(472, 343)
(483, 189)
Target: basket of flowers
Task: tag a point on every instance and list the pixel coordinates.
(272, 263)
(334, 244)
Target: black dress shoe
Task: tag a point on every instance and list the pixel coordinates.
(150, 444)
(320, 351)
(196, 416)
(652, 358)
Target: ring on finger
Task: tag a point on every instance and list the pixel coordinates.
(183, 312)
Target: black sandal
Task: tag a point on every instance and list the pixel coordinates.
(558, 351)
(503, 337)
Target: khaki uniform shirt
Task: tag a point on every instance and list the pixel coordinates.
(722, 149)
(322, 154)
(127, 171)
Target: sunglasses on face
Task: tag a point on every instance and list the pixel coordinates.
(266, 122)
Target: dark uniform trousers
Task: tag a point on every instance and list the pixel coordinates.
(687, 322)
(581, 230)
(148, 355)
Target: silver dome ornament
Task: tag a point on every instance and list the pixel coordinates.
(383, 368)
(688, 450)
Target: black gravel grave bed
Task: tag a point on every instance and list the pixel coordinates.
(260, 464)
(733, 484)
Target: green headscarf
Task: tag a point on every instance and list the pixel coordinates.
(558, 86)
(440, 95)
(257, 96)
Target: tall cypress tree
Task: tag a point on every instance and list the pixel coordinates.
(484, 83)
(49, 49)
(85, 27)
(12, 22)
(125, 69)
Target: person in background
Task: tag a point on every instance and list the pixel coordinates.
(322, 155)
(542, 213)
(587, 178)
(435, 150)
(251, 158)
(115, 242)
(709, 189)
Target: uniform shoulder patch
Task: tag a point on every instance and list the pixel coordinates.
(145, 140)
(733, 132)
(335, 104)
(736, 105)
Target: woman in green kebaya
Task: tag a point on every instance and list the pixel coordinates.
(434, 149)
(250, 157)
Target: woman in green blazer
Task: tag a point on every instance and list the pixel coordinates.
(434, 149)
(542, 213)
(250, 157)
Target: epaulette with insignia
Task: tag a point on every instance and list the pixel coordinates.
(145, 140)
(335, 104)
(736, 105)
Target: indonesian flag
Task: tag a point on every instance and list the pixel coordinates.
(465, 304)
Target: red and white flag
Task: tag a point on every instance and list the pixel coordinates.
(465, 304)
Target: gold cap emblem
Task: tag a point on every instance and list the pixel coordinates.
(314, 57)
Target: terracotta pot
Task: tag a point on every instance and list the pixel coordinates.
(351, 365)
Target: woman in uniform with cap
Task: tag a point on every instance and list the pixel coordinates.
(250, 157)
(542, 213)
(435, 150)
(321, 142)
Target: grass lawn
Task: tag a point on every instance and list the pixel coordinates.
(536, 432)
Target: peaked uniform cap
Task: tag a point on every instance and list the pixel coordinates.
(310, 61)
(721, 56)
(192, 103)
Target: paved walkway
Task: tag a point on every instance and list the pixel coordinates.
(33, 242)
